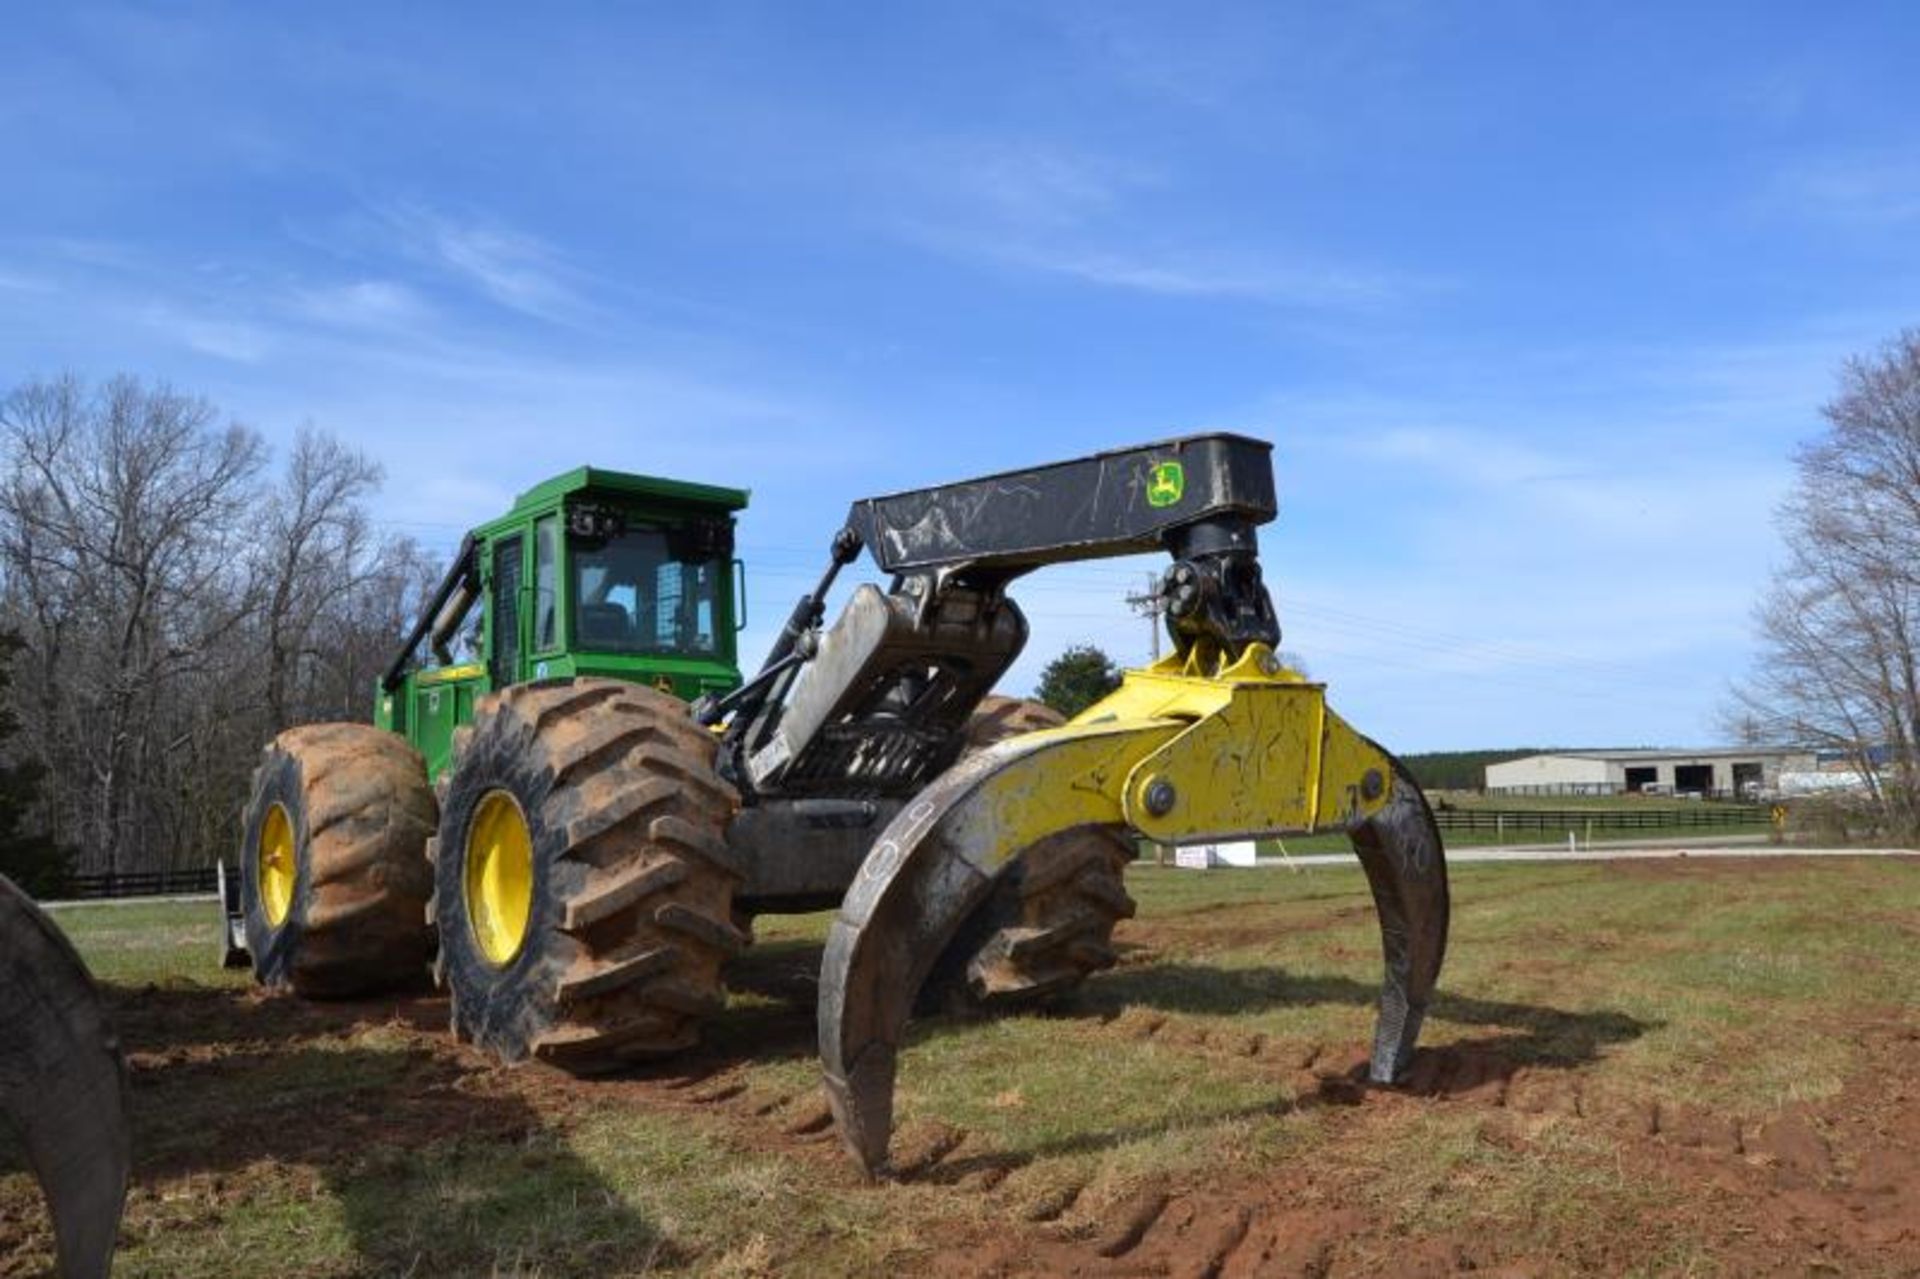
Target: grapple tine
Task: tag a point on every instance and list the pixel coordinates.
(1249, 754)
(63, 1084)
(928, 871)
(1406, 865)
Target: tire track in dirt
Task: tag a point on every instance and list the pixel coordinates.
(1840, 1180)
(1834, 1184)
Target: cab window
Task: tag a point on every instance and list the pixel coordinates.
(630, 595)
(546, 580)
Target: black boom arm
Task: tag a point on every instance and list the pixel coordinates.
(877, 700)
(1122, 502)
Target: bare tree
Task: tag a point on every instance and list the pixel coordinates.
(1839, 629)
(315, 549)
(178, 605)
(365, 627)
(122, 533)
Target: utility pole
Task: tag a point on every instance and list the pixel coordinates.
(1151, 604)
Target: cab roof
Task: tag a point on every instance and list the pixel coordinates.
(626, 484)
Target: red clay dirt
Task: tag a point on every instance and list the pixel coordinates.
(1825, 1187)
(1829, 1188)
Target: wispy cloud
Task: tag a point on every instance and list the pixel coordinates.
(1465, 456)
(233, 340)
(1025, 184)
(19, 282)
(1610, 506)
(364, 304)
(402, 368)
(1192, 275)
(512, 268)
(1188, 58)
(1097, 220)
(110, 254)
(1872, 188)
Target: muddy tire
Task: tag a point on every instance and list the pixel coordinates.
(628, 901)
(334, 878)
(1049, 924)
(63, 1088)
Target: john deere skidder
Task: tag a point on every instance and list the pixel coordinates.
(576, 827)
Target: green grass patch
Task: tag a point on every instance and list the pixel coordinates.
(150, 942)
(279, 1139)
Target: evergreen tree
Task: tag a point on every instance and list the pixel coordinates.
(1076, 679)
(29, 859)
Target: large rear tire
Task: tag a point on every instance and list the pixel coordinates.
(583, 890)
(1049, 924)
(63, 1084)
(334, 875)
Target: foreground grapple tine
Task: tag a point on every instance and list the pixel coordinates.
(931, 868)
(62, 1084)
(1407, 870)
(1249, 751)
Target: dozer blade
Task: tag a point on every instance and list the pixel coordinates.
(1173, 755)
(63, 1085)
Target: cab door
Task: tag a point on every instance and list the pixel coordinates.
(505, 643)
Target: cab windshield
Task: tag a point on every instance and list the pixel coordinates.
(630, 595)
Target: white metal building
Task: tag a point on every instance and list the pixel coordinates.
(1713, 771)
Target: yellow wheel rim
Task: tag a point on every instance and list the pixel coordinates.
(276, 867)
(499, 877)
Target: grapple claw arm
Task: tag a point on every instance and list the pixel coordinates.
(929, 870)
(1406, 867)
(1174, 755)
(62, 1084)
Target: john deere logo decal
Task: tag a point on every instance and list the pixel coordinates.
(1167, 484)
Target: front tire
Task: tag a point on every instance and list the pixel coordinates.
(583, 891)
(333, 868)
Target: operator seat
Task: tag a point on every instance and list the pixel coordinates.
(605, 626)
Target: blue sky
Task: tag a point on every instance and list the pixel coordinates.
(1532, 299)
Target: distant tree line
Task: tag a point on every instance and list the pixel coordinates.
(174, 596)
(1839, 627)
(1458, 770)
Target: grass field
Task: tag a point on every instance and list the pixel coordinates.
(1634, 1068)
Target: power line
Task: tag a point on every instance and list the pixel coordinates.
(1151, 604)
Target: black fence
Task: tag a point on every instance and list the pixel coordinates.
(1560, 820)
(146, 883)
(1492, 821)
